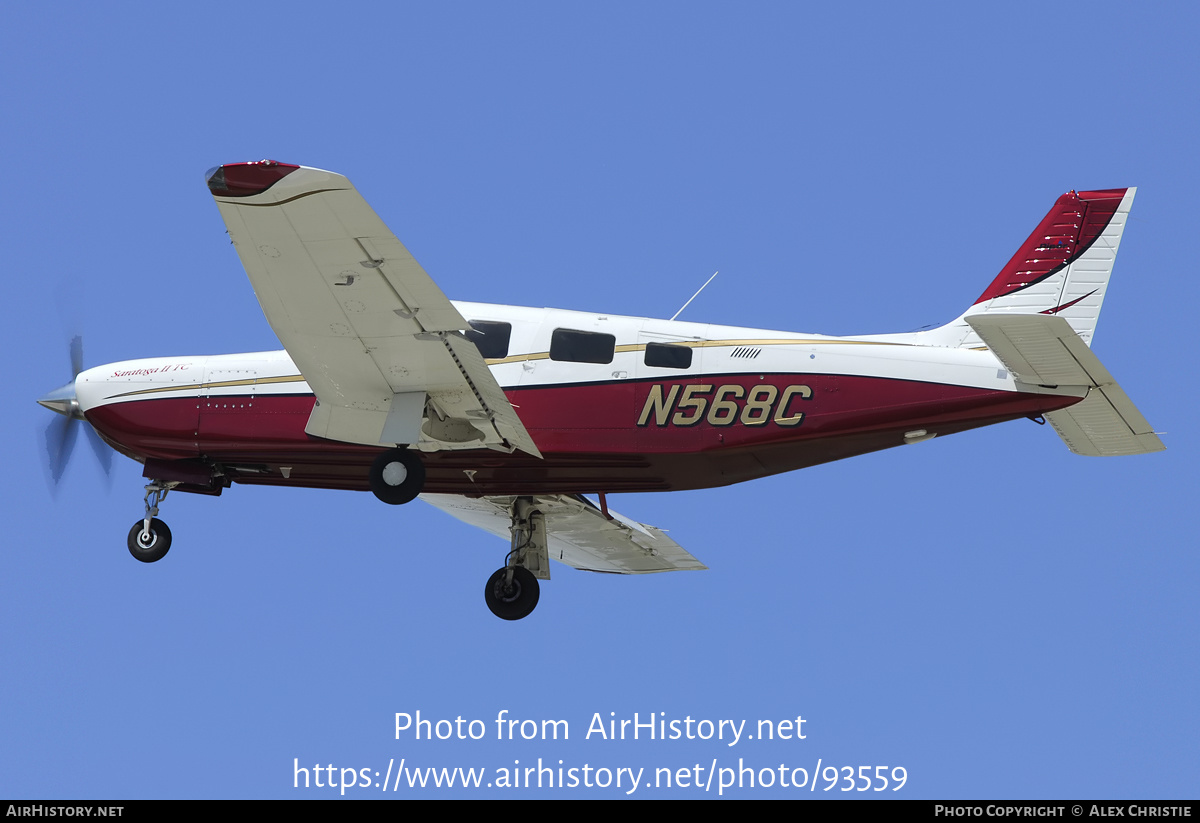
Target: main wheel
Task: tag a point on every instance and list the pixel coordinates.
(397, 476)
(154, 546)
(516, 601)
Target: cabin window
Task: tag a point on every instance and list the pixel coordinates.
(491, 338)
(667, 356)
(582, 346)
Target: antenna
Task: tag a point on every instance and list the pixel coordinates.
(694, 296)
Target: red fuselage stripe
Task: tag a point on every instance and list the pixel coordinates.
(625, 435)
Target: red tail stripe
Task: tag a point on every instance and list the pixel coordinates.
(1066, 232)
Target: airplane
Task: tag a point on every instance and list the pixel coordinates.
(506, 417)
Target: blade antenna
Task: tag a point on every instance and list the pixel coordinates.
(694, 296)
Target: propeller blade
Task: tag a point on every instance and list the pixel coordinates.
(76, 356)
(61, 434)
(102, 450)
(60, 442)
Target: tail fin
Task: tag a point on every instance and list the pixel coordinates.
(1061, 269)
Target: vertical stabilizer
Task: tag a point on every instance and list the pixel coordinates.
(1062, 269)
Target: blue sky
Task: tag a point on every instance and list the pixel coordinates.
(992, 613)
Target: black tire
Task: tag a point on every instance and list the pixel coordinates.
(158, 545)
(397, 476)
(519, 600)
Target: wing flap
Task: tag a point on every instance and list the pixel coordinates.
(578, 533)
(491, 397)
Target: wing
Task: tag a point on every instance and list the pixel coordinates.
(380, 345)
(578, 533)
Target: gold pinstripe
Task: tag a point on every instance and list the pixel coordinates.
(519, 358)
(707, 344)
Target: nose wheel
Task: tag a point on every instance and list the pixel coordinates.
(149, 544)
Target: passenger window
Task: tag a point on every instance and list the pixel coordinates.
(667, 356)
(582, 346)
(490, 338)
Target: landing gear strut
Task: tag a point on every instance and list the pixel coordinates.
(397, 476)
(150, 539)
(512, 592)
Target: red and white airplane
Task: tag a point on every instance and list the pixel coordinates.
(506, 416)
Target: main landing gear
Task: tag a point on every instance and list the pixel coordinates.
(397, 476)
(512, 592)
(150, 539)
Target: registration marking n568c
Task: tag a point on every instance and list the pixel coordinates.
(728, 404)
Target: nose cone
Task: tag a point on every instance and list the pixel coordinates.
(63, 401)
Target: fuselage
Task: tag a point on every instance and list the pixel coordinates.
(613, 403)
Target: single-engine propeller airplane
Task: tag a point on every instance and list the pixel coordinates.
(505, 417)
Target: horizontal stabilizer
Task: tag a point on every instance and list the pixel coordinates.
(578, 533)
(1045, 355)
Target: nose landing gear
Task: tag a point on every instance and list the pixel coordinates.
(150, 539)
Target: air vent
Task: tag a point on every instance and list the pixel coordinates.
(746, 352)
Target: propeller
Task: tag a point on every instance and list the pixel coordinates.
(62, 434)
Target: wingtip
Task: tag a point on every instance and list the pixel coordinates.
(246, 179)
